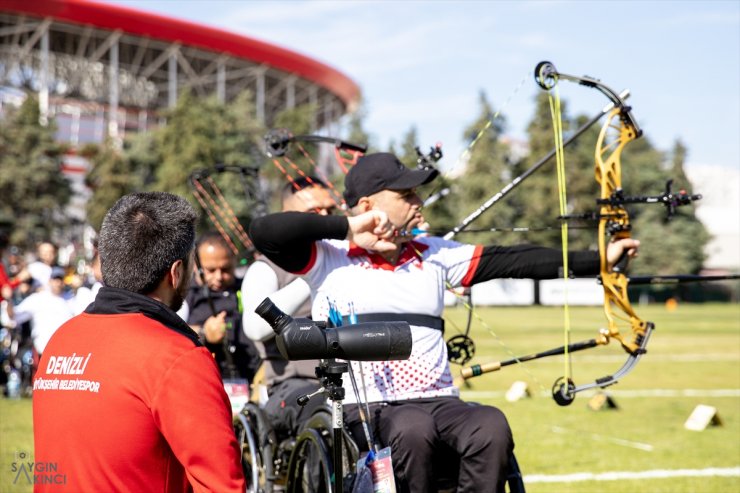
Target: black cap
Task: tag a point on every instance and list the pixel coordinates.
(382, 171)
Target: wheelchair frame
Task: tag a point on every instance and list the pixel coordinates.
(281, 465)
(272, 465)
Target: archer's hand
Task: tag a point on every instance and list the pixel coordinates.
(372, 231)
(615, 250)
(214, 328)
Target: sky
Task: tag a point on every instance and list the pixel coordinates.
(423, 64)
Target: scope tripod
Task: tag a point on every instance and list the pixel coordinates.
(329, 372)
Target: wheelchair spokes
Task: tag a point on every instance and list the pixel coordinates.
(257, 448)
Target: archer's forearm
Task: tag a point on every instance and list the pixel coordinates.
(287, 238)
(532, 262)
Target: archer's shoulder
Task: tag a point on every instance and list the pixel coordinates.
(437, 243)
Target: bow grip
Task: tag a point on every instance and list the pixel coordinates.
(622, 263)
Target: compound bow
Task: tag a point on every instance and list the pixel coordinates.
(619, 129)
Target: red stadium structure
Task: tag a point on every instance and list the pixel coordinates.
(105, 69)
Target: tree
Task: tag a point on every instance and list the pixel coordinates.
(407, 153)
(33, 189)
(643, 173)
(486, 171)
(356, 133)
(684, 236)
(202, 133)
(116, 172)
(537, 197)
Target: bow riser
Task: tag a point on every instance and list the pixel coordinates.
(616, 133)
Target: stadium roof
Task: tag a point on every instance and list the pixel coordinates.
(206, 59)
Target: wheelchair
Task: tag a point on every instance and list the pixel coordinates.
(304, 464)
(300, 464)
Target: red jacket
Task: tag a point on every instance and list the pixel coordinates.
(126, 399)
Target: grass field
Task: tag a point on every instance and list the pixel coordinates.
(693, 358)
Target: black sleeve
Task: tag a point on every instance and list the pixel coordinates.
(531, 262)
(287, 238)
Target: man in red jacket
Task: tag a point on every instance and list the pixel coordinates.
(125, 397)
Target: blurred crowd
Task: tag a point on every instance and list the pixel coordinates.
(38, 293)
(41, 289)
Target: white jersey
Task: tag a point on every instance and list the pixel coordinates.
(349, 276)
(47, 312)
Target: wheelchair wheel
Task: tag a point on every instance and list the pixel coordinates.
(256, 443)
(311, 469)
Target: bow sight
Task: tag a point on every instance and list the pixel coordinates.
(427, 161)
(670, 200)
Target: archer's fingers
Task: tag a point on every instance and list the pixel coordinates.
(632, 246)
(383, 227)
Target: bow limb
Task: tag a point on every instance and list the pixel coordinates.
(278, 140)
(616, 133)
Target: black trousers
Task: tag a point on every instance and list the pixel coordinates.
(420, 432)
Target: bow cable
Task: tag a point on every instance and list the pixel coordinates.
(557, 124)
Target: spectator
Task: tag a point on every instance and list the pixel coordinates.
(213, 309)
(86, 295)
(284, 380)
(126, 398)
(47, 310)
(6, 285)
(40, 269)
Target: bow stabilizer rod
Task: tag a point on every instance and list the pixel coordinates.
(679, 279)
(477, 370)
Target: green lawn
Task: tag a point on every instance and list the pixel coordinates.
(693, 358)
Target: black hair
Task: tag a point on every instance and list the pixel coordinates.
(142, 235)
(301, 183)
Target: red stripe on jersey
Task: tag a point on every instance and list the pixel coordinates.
(412, 250)
(468, 279)
(311, 261)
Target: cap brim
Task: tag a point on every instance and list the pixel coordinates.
(413, 178)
